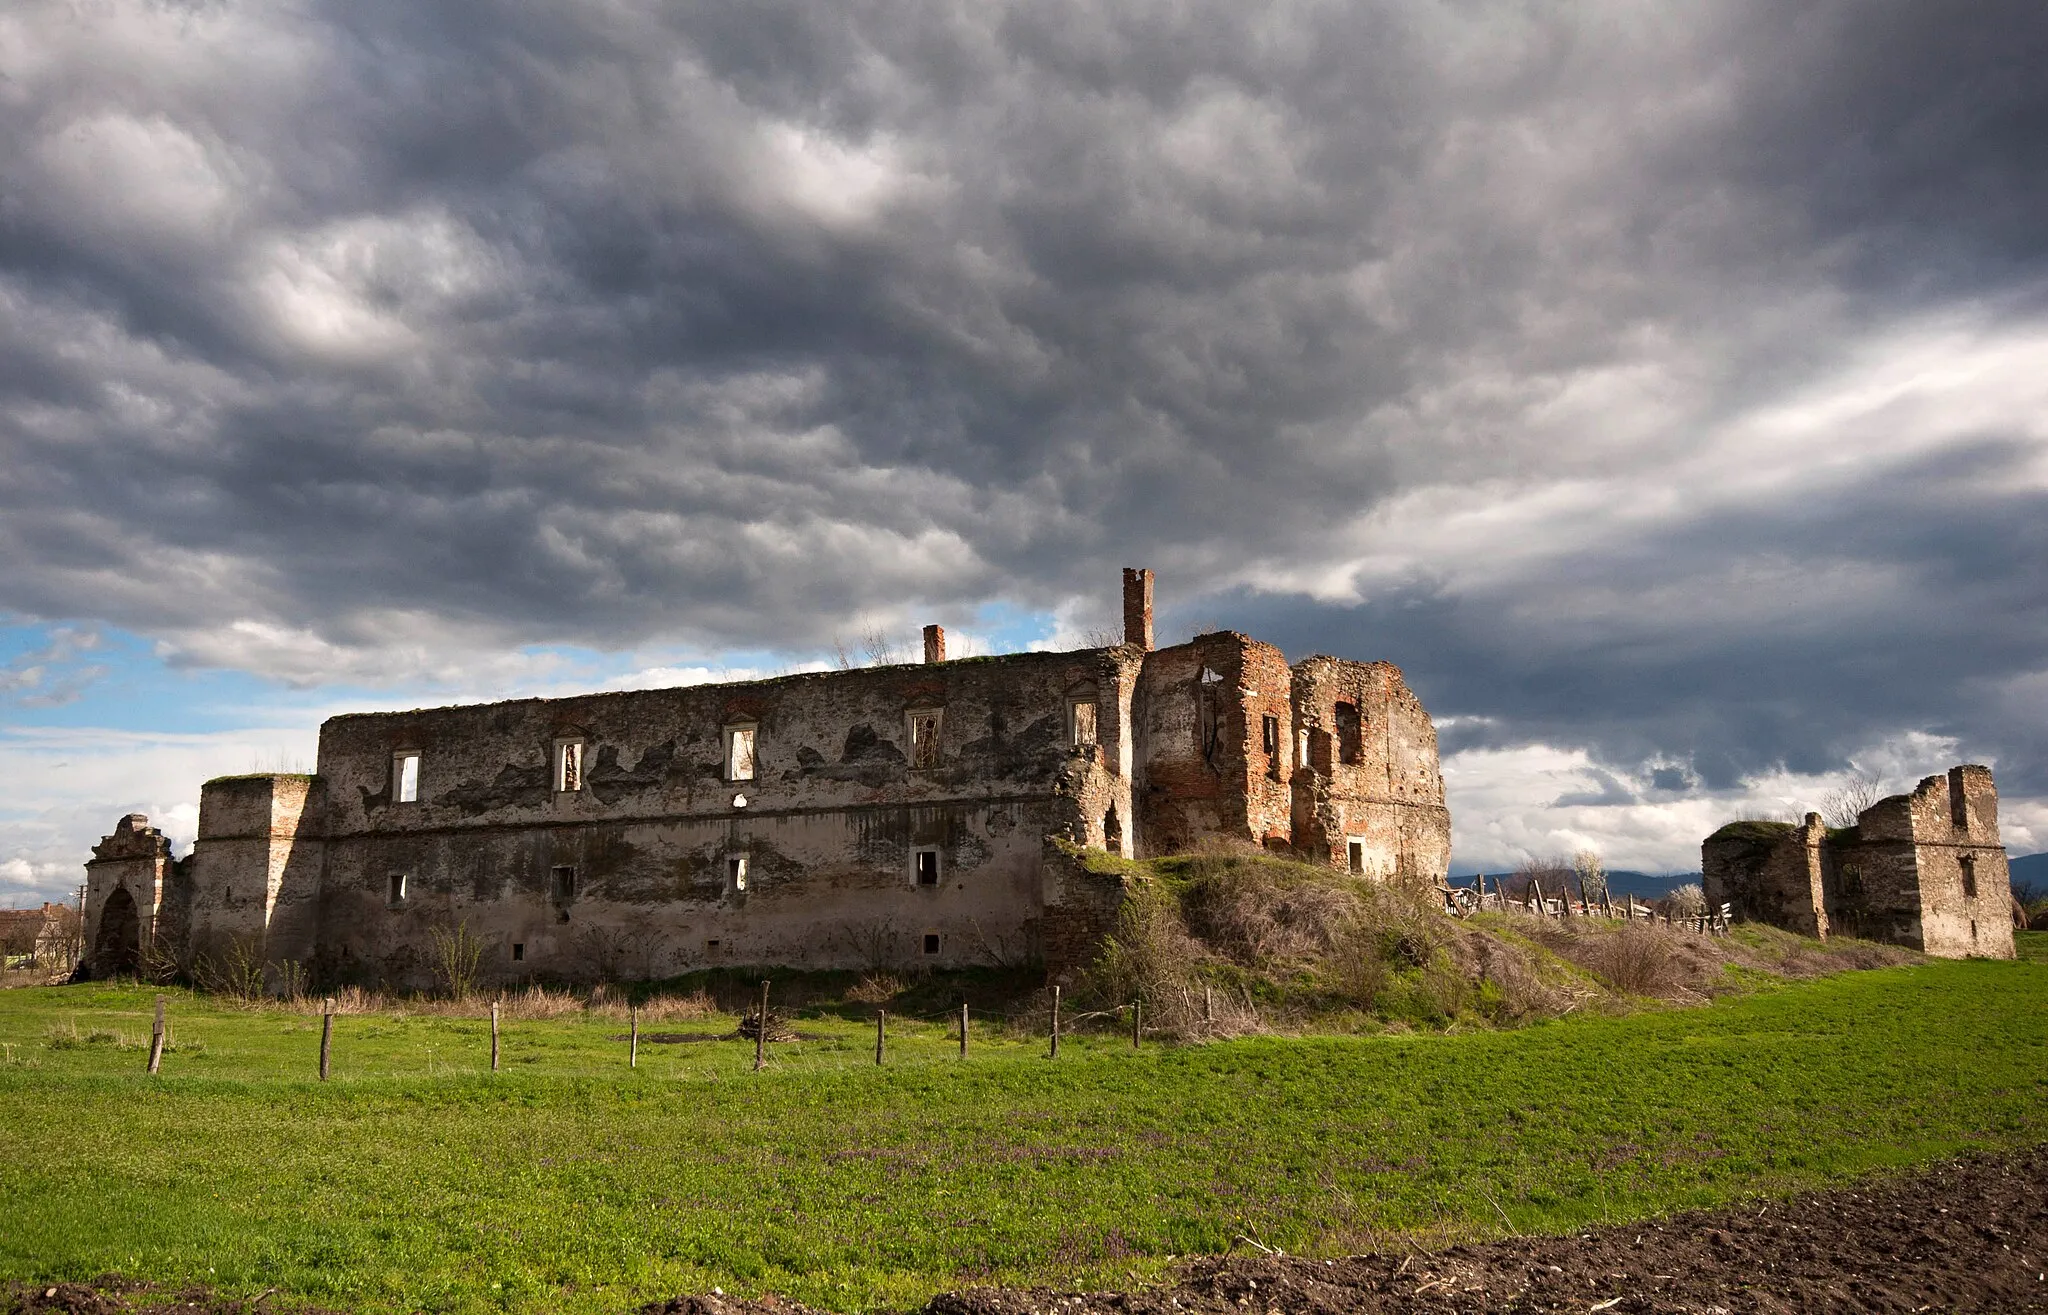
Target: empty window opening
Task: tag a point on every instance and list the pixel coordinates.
(569, 766)
(1852, 881)
(518, 951)
(1348, 733)
(1209, 716)
(736, 871)
(926, 866)
(1269, 738)
(1969, 866)
(405, 778)
(563, 883)
(924, 738)
(395, 892)
(931, 942)
(1355, 856)
(1958, 801)
(1081, 716)
(1301, 746)
(711, 946)
(739, 753)
(1112, 831)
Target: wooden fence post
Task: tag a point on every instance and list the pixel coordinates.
(1208, 1004)
(1055, 1024)
(963, 1029)
(761, 1030)
(881, 1017)
(156, 1038)
(633, 1038)
(494, 1036)
(326, 1038)
(1137, 1021)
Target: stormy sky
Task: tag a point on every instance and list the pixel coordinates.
(1665, 388)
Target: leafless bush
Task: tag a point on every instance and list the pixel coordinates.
(457, 953)
(231, 967)
(876, 988)
(873, 943)
(1843, 806)
(1637, 958)
(1547, 872)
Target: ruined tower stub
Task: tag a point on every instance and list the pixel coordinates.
(124, 897)
(1138, 607)
(934, 645)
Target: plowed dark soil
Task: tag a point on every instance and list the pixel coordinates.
(1970, 1235)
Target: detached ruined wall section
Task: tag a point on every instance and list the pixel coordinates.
(1369, 792)
(126, 886)
(1768, 872)
(1924, 869)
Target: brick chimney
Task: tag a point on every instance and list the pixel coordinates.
(934, 644)
(1138, 607)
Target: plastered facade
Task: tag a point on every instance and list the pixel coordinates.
(1924, 869)
(889, 816)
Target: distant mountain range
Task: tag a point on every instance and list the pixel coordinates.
(2027, 869)
(1643, 885)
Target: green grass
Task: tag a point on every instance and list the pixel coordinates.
(2031, 946)
(416, 1181)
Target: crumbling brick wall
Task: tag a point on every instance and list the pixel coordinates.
(1369, 795)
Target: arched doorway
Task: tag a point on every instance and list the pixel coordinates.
(117, 950)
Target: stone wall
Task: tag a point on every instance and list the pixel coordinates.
(892, 816)
(1923, 869)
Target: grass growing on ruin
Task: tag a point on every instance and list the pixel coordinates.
(568, 1183)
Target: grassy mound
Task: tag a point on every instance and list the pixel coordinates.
(1218, 945)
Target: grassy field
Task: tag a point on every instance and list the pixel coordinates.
(418, 1181)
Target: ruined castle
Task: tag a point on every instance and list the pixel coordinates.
(1925, 870)
(880, 817)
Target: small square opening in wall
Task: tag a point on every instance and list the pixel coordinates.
(712, 946)
(926, 866)
(562, 884)
(405, 777)
(518, 951)
(931, 942)
(736, 872)
(1354, 851)
(394, 892)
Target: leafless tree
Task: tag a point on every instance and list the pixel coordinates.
(880, 650)
(1843, 806)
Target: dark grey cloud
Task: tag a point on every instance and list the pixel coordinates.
(375, 328)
